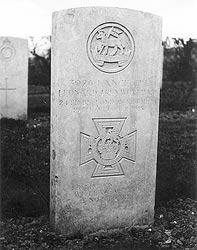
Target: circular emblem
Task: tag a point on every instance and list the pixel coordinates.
(7, 52)
(110, 47)
(108, 149)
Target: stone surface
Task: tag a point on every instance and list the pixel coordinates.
(13, 77)
(106, 77)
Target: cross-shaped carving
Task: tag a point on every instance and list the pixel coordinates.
(6, 92)
(109, 148)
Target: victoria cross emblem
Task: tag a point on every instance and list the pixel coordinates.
(110, 47)
(109, 148)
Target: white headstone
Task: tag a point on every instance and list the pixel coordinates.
(106, 76)
(13, 77)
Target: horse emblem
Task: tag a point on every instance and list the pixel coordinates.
(110, 47)
(106, 42)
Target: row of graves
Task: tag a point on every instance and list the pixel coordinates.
(106, 78)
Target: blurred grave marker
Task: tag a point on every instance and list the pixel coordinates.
(13, 77)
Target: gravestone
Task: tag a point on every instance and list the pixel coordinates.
(13, 77)
(106, 77)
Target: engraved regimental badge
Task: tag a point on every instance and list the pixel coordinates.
(110, 47)
(7, 51)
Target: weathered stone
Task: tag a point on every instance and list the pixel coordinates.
(13, 77)
(106, 76)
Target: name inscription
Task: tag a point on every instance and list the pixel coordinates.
(88, 95)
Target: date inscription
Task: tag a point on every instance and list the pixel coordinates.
(87, 95)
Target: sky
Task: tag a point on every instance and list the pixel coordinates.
(24, 18)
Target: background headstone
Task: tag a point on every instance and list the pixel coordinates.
(13, 77)
(106, 76)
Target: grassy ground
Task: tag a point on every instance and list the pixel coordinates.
(173, 228)
(25, 166)
(38, 98)
(176, 156)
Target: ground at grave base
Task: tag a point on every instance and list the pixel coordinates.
(173, 228)
(25, 185)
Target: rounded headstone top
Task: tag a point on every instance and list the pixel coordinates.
(71, 11)
(110, 33)
(9, 47)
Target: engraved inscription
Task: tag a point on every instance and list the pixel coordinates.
(83, 95)
(7, 51)
(110, 47)
(109, 148)
(6, 89)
